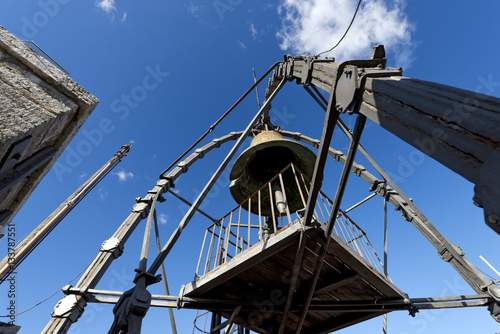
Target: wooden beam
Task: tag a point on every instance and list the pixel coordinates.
(342, 280)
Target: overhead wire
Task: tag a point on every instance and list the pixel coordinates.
(52, 295)
(348, 28)
(19, 261)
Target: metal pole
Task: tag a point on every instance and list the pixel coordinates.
(11, 261)
(351, 154)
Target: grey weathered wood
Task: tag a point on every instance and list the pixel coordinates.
(244, 260)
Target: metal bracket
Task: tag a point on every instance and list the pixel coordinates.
(351, 82)
(13, 155)
(71, 307)
(142, 208)
(165, 185)
(446, 255)
(112, 245)
(12, 170)
(150, 279)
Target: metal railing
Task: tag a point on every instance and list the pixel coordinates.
(240, 229)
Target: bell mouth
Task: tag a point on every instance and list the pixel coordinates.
(268, 154)
(300, 155)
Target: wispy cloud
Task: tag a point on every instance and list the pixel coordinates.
(107, 5)
(313, 26)
(162, 218)
(123, 175)
(253, 31)
(124, 17)
(103, 194)
(194, 10)
(83, 176)
(242, 45)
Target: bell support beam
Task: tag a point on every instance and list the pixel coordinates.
(168, 301)
(444, 123)
(331, 117)
(351, 154)
(458, 128)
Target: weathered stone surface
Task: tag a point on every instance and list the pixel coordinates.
(8, 328)
(37, 100)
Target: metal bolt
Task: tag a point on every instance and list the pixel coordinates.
(493, 218)
(339, 107)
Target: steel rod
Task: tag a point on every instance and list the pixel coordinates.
(212, 127)
(189, 203)
(170, 243)
(359, 203)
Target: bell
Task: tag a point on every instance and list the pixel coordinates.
(269, 153)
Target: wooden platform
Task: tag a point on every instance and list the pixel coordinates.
(258, 280)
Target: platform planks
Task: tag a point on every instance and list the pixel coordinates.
(258, 279)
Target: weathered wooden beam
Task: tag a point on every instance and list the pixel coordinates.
(456, 127)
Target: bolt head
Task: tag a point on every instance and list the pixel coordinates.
(493, 218)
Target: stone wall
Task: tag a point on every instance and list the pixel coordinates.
(41, 109)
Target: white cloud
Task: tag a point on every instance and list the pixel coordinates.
(194, 10)
(313, 26)
(242, 45)
(162, 218)
(103, 194)
(124, 17)
(83, 176)
(253, 31)
(107, 5)
(123, 175)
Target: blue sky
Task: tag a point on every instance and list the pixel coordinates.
(165, 71)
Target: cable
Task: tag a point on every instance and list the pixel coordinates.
(350, 24)
(52, 295)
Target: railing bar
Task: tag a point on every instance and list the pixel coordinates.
(318, 203)
(232, 243)
(209, 254)
(219, 245)
(298, 185)
(342, 227)
(226, 241)
(238, 232)
(372, 255)
(201, 254)
(373, 261)
(287, 207)
(350, 232)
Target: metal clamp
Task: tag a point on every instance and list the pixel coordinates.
(70, 307)
(112, 245)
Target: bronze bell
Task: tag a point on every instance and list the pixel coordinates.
(269, 153)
